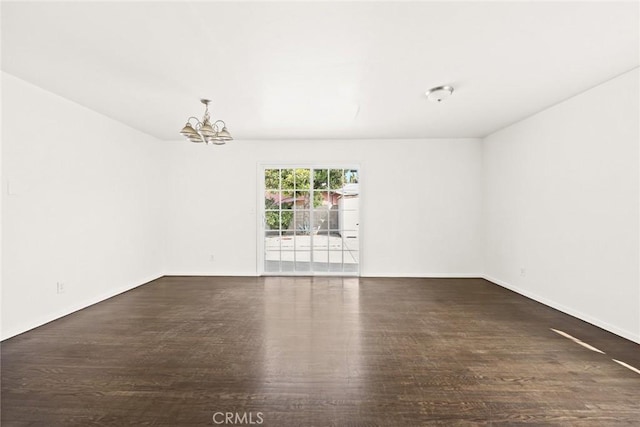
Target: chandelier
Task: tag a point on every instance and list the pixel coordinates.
(204, 131)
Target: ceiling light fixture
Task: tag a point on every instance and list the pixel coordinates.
(439, 93)
(204, 131)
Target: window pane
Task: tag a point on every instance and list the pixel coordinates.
(303, 261)
(351, 176)
(321, 251)
(320, 267)
(350, 268)
(350, 235)
(303, 256)
(349, 222)
(334, 220)
(286, 243)
(321, 256)
(321, 178)
(272, 200)
(272, 179)
(286, 220)
(350, 241)
(272, 243)
(302, 222)
(335, 264)
(351, 257)
(320, 220)
(286, 263)
(335, 242)
(286, 177)
(272, 220)
(286, 206)
(321, 240)
(335, 256)
(272, 261)
(286, 200)
(303, 179)
(302, 242)
(271, 266)
(302, 200)
(336, 179)
(322, 200)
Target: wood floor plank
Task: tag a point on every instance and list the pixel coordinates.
(318, 352)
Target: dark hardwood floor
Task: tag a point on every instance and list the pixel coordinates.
(318, 352)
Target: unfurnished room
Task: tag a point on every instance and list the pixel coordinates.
(320, 213)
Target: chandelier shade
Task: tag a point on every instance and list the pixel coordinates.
(203, 131)
(224, 134)
(188, 131)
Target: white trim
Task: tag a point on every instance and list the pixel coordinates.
(424, 275)
(211, 274)
(260, 218)
(43, 320)
(567, 310)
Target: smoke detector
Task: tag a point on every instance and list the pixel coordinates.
(439, 93)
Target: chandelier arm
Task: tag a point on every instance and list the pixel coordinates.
(216, 127)
(194, 118)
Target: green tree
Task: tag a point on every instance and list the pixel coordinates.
(277, 220)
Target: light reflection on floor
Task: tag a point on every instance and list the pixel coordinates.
(312, 334)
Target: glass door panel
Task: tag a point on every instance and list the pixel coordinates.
(311, 221)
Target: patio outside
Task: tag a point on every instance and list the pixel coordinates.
(331, 253)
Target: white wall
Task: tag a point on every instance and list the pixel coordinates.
(86, 207)
(561, 197)
(420, 203)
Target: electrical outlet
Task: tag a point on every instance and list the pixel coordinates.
(60, 287)
(212, 258)
(523, 271)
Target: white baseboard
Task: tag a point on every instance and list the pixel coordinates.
(568, 310)
(426, 275)
(50, 317)
(210, 274)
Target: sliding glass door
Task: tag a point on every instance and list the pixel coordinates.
(311, 221)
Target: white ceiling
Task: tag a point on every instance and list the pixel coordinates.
(319, 70)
